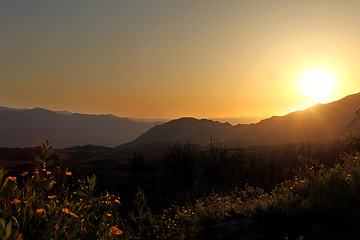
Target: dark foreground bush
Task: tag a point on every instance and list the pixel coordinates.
(50, 203)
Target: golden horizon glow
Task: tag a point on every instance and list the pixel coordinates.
(318, 83)
(169, 59)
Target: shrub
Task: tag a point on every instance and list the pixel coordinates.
(51, 206)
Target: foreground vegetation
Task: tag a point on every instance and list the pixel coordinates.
(50, 202)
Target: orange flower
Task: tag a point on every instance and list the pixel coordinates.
(12, 178)
(51, 197)
(68, 173)
(15, 201)
(44, 169)
(117, 201)
(73, 214)
(57, 227)
(24, 174)
(65, 210)
(40, 210)
(108, 214)
(114, 230)
(19, 237)
(48, 172)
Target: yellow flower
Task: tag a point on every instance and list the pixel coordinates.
(24, 174)
(12, 178)
(65, 210)
(68, 173)
(15, 201)
(51, 197)
(114, 230)
(40, 210)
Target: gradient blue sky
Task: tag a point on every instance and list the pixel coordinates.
(168, 59)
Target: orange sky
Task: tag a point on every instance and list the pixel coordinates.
(169, 59)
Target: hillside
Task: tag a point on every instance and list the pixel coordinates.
(319, 123)
(29, 127)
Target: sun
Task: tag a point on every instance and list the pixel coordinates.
(318, 83)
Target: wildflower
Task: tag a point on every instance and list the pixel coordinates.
(117, 201)
(51, 197)
(108, 214)
(44, 169)
(68, 173)
(48, 172)
(40, 210)
(24, 174)
(15, 201)
(19, 237)
(12, 178)
(73, 214)
(65, 210)
(57, 227)
(114, 230)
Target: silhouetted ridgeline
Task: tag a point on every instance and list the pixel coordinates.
(29, 127)
(318, 124)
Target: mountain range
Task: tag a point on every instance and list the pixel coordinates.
(30, 127)
(317, 124)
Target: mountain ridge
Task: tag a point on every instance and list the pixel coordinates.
(30, 127)
(318, 123)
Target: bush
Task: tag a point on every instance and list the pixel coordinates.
(51, 206)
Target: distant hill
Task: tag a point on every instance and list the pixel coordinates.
(316, 124)
(240, 120)
(30, 127)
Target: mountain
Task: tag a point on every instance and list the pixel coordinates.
(29, 127)
(240, 120)
(316, 124)
(185, 130)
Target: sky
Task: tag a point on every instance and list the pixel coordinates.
(171, 59)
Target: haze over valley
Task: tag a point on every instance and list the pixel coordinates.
(318, 124)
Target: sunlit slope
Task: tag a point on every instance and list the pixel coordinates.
(320, 123)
